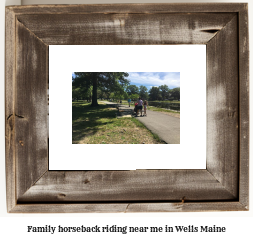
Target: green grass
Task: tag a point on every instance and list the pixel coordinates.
(173, 101)
(138, 123)
(157, 109)
(156, 137)
(124, 102)
(99, 125)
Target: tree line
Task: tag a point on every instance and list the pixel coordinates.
(114, 85)
(160, 93)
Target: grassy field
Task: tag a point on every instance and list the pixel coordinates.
(157, 109)
(173, 101)
(99, 125)
(124, 102)
(165, 111)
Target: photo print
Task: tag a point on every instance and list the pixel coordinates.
(94, 122)
(126, 108)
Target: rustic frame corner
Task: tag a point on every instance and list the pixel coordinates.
(223, 186)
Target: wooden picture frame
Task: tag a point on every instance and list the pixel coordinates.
(222, 186)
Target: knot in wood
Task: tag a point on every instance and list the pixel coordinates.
(86, 181)
(61, 195)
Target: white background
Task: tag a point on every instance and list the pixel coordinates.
(239, 224)
(190, 61)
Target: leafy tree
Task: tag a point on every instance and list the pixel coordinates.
(119, 95)
(154, 94)
(81, 93)
(112, 96)
(134, 96)
(101, 93)
(106, 81)
(175, 92)
(125, 95)
(76, 93)
(132, 89)
(143, 92)
(83, 86)
(164, 89)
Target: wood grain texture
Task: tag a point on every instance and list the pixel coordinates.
(244, 106)
(129, 207)
(131, 29)
(9, 109)
(139, 185)
(223, 107)
(30, 109)
(155, 8)
(223, 186)
(186, 207)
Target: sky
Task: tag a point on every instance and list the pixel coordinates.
(150, 79)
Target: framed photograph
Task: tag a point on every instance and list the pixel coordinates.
(33, 187)
(112, 128)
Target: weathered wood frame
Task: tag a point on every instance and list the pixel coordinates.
(222, 186)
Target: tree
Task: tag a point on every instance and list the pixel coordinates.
(154, 94)
(83, 86)
(119, 95)
(81, 93)
(101, 94)
(132, 89)
(143, 92)
(106, 81)
(112, 96)
(134, 96)
(175, 92)
(164, 89)
(76, 93)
